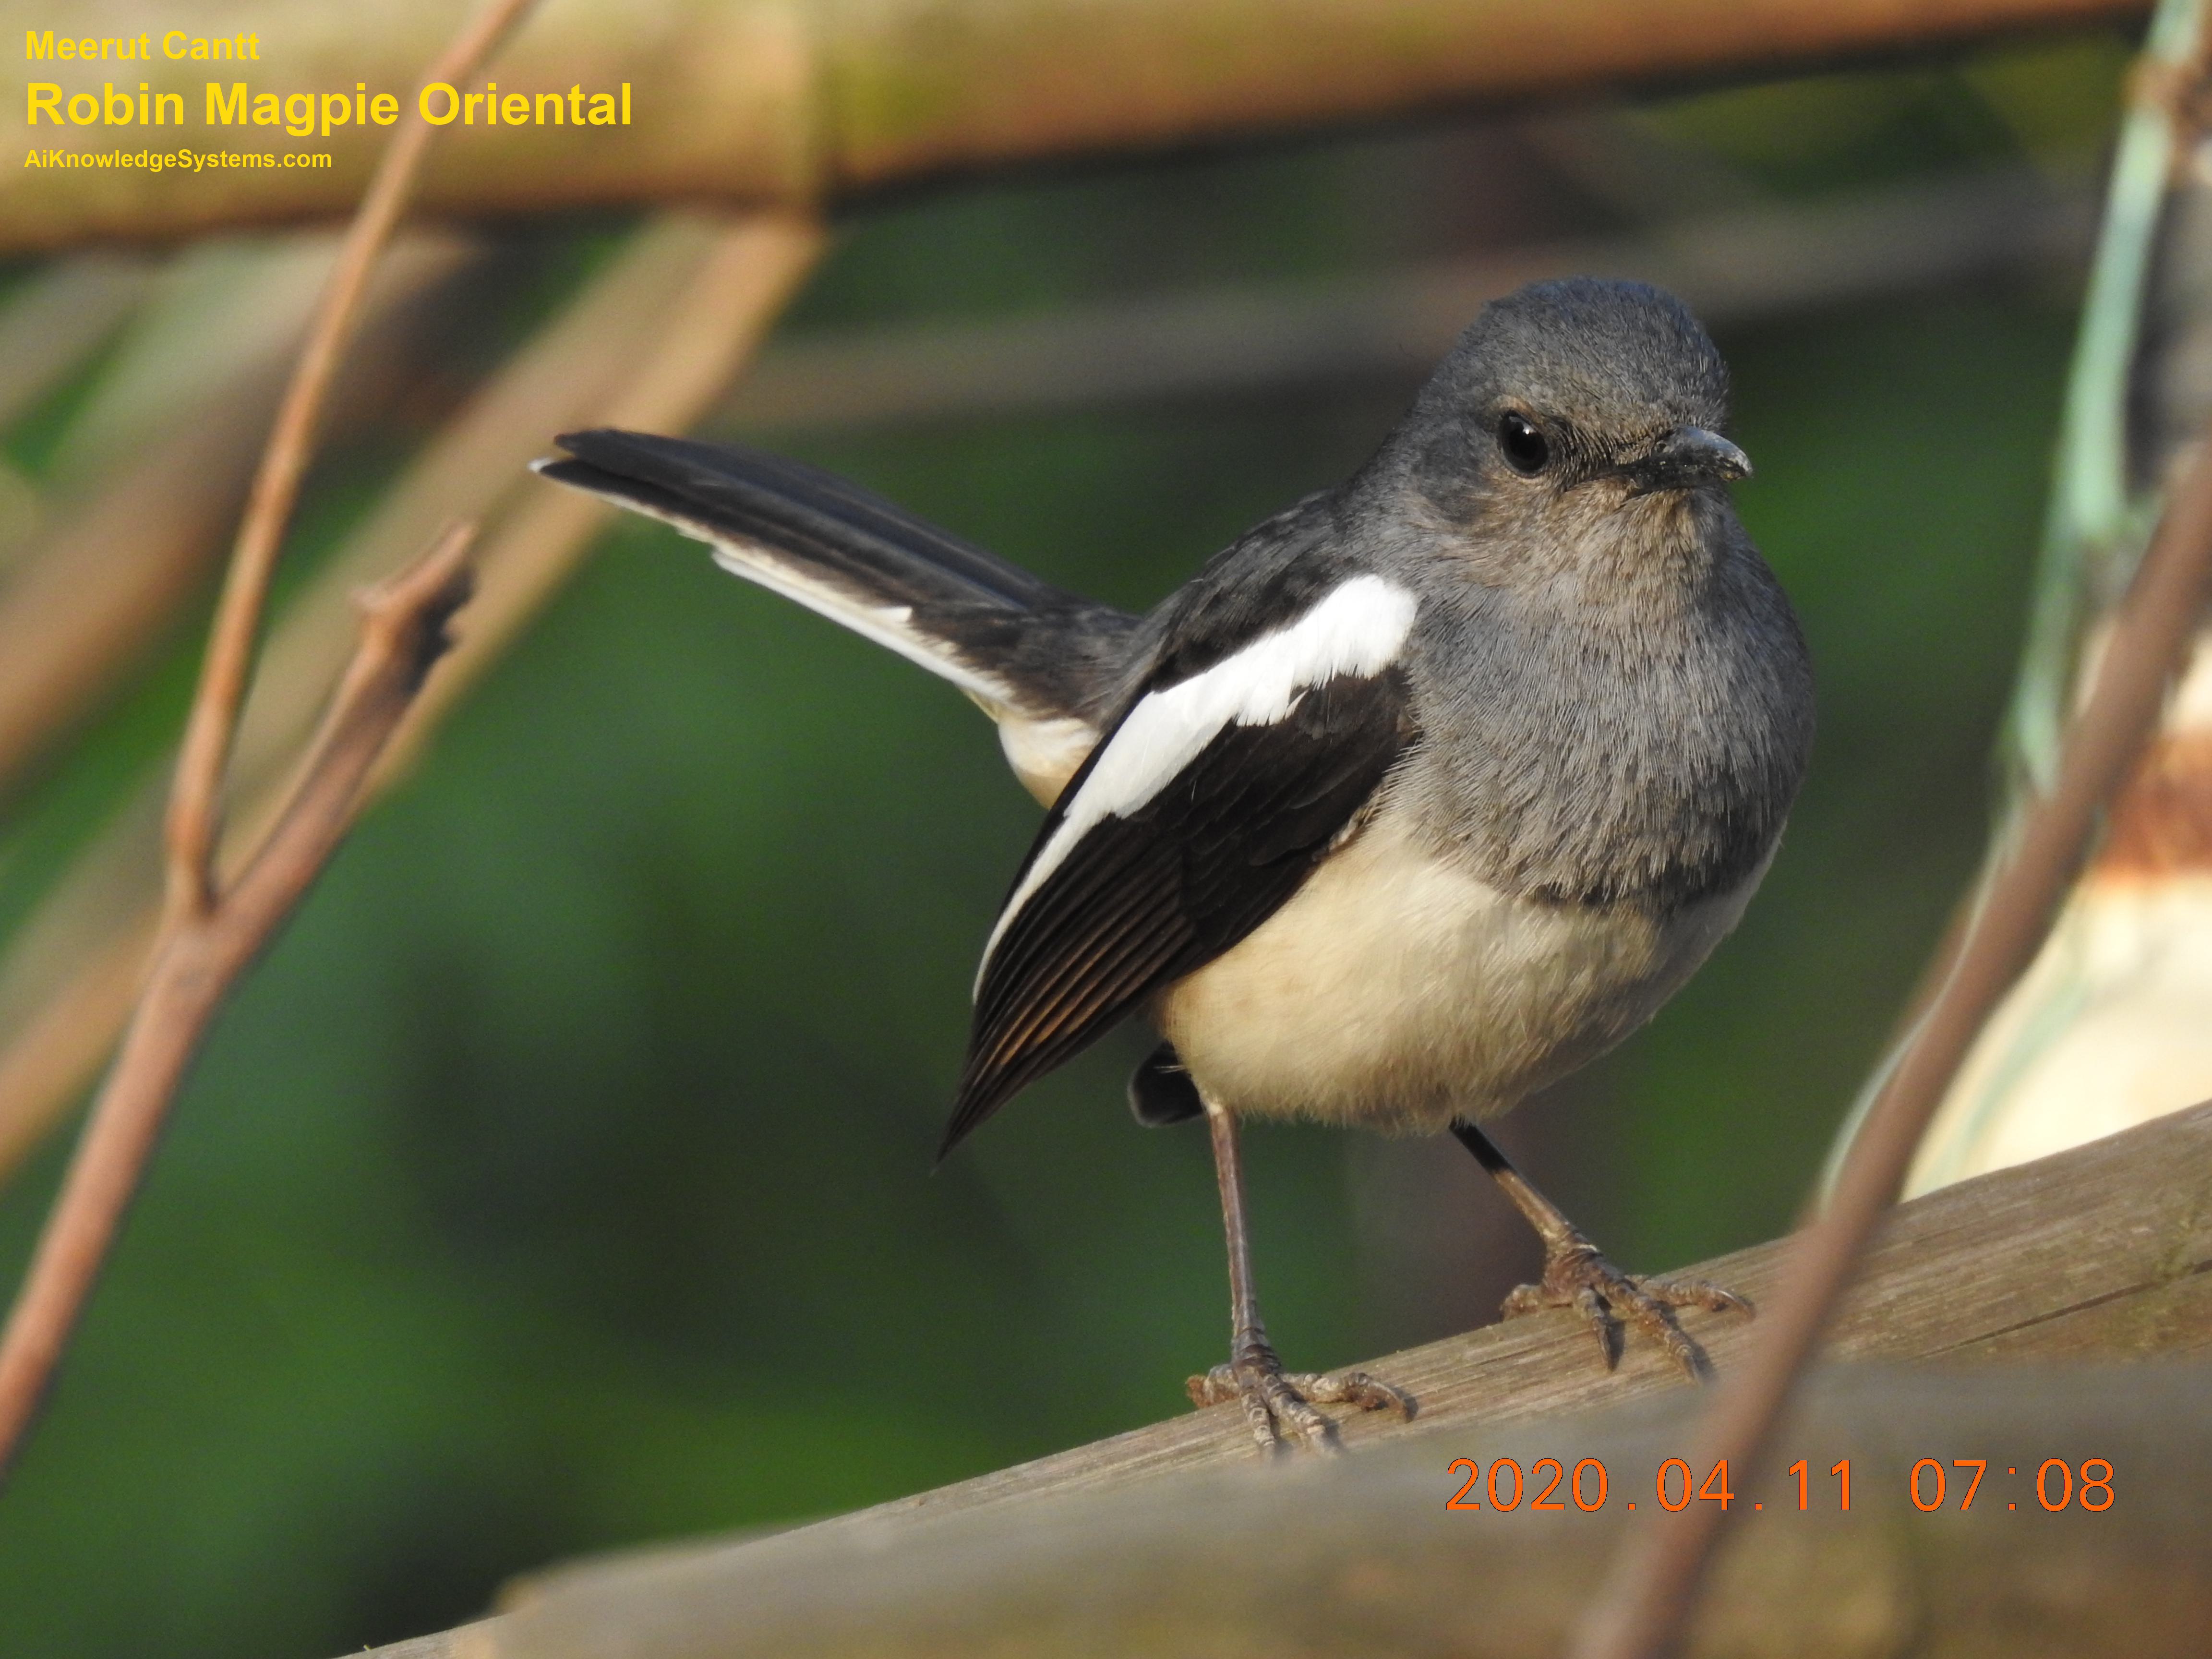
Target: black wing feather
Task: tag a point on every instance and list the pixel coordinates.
(1141, 901)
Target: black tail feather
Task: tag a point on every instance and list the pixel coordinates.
(873, 544)
(868, 562)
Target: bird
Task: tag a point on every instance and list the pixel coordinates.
(1423, 792)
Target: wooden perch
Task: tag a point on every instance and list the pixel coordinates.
(1362, 1558)
(772, 103)
(1173, 1538)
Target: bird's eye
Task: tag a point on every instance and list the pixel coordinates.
(1524, 448)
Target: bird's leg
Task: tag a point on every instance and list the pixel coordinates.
(1275, 1401)
(1575, 1275)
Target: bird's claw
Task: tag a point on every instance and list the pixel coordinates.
(1576, 1275)
(1277, 1402)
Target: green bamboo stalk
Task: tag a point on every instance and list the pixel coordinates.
(2104, 501)
(2097, 528)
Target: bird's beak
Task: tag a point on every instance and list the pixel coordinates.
(1690, 454)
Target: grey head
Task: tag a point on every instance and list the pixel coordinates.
(1574, 421)
(1617, 694)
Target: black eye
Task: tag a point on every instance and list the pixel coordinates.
(1524, 447)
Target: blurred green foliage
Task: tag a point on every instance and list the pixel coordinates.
(562, 1177)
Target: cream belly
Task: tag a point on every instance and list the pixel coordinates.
(1396, 991)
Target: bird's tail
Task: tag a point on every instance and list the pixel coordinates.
(1042, 662)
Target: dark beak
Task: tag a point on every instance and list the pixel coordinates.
(1690, 455)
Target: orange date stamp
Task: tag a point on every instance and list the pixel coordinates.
(1550, 1484)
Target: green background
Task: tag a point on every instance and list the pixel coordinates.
(561, 1179)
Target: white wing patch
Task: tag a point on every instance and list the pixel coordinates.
(1356, 629)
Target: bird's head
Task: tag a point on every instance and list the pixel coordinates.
(1575, 414)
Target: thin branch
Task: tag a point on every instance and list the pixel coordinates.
(402, 634)
(134, 541)
(195, 811)
(72, 1034)
(207, 938)
(1654, 1580)
(654, 337)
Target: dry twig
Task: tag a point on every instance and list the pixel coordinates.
(652, 341)
(1654, 1581)
(201, 955)
(207, 936)
(129, 548)
(194, 807)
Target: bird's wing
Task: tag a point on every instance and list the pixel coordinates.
(1208, 804)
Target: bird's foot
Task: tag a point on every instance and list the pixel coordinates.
(1576, 1275)
(1279, 1403)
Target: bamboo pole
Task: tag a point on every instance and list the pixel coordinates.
(2106, 1028)
(1988, 1325)
(1362, 1558)
(785, 102)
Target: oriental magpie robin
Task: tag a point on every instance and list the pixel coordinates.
(1422, 793)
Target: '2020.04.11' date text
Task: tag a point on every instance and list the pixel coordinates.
(1549, 1484)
